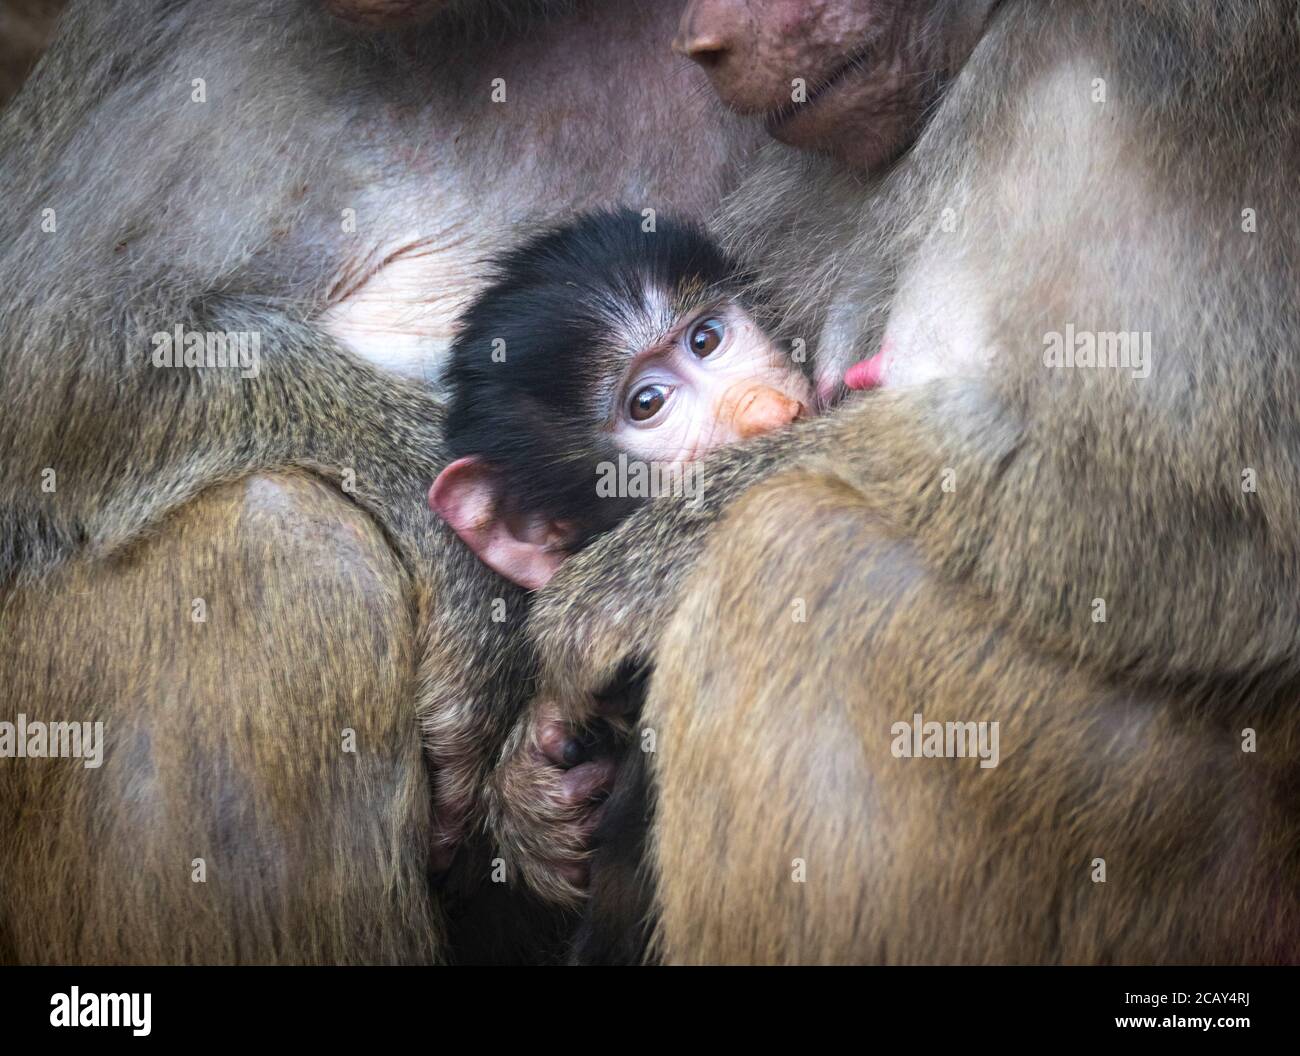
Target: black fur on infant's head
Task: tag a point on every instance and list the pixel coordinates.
(540, 349)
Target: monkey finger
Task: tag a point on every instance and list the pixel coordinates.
(588, 782)
(578, 872)
(563, 746)
(555, 742)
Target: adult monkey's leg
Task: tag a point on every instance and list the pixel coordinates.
(262, 794)
(787, 831)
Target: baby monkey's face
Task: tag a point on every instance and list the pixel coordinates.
(712, 379)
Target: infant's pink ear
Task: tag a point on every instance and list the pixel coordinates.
(467, 496)
(463, 494)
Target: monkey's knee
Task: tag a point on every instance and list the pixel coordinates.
(252, 665)
(828, 835)
(755, 697)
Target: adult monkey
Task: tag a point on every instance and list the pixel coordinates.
(1104, 561)
(239, 576)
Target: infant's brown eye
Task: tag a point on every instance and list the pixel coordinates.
(647, 402)
(706, 335)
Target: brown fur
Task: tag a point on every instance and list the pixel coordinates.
(1122, 739)
(341, 605)
(764, 758)
(98, 861)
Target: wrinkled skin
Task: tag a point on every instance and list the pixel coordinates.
(849, 78)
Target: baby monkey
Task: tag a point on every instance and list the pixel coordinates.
(596, 339)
